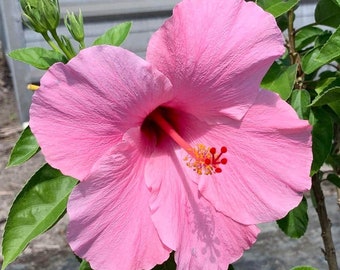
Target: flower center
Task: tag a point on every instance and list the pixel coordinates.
(202, 159)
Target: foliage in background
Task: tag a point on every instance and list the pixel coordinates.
(307, 77)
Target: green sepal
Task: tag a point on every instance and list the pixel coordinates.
(114, 36)
(25, 148)
(277, 7)
(295, 223)
(84, 265)
(300, 101)
(280, 79)
(322, 137)
(75, 25)
(38, 206)
(38, 57)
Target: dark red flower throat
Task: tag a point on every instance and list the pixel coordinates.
(203, 160)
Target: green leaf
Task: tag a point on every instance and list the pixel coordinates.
(282, 22)
(308, 62)
(231, 267)
(329, 96)
(295, 223)
(335, 106)
(331, 49)
(36, 208)
(325, 85)
(306, 35)
(114, 36)
(38, 57)
(327, 13)
(169, 264)
(25, 148)
(277, 7)
(326, 50)
(323, 38)
(334, 179)
(280, 79)
(84, 265)
(337, 2)
(303, 267)
(300, 101)
(322, 136)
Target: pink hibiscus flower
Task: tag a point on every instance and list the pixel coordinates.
(181, 152)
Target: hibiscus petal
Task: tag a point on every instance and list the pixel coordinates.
(186, 222)
(84, 107)
(110, 222)
(216, 53)
(269, 157)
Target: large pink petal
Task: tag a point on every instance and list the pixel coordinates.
(269, 160)
(82, 108)
(110, 219)
(215, 53)
(202, 237)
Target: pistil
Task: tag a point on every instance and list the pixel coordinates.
(202, 159)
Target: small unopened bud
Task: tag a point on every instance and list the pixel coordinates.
(42, 15)
(75, 25)
(68, 45)
(32, 16)
(51, 12)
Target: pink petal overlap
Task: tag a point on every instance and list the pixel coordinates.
(202, 237)
(83, 108)
(216, 53)
(110, 219)
(269, 157)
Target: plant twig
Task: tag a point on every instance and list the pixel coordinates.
(60, 44)
(325, 223)
(293, 54)
(50, 42)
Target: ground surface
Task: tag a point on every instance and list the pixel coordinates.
(273, 250)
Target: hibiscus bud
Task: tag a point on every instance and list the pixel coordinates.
(32, 17)
(75, 25)
(68, 45)
(42, 15)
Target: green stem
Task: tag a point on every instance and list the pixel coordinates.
(82, 44)
(50, 42)
(325, 223)
(291, 37)
(336, 151)
(293, 54)
(61, 44)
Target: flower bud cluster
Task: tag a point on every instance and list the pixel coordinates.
(41, 15)
(75, 25)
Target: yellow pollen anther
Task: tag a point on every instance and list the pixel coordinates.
(32, 87)
(204, 160)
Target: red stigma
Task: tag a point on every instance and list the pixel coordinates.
(207, 161)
